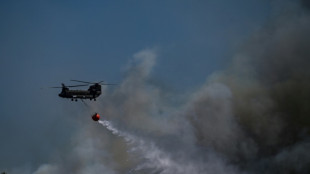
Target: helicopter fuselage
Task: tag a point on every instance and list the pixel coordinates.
(93, 92)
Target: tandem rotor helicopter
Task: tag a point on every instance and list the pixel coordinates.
(91, 93)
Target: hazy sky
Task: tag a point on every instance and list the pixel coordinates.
(45, 43)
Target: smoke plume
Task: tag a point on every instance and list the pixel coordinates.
(251, 118)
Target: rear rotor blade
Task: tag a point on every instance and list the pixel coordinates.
(72, 86)
(81, 81)
(108, 84)
(101, 82)
(76, 86)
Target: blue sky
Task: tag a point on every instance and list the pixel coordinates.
(79, 39)
(45, 43)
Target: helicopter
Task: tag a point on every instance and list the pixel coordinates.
(91, 93)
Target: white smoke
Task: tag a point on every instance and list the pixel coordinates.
(46, 169)
(156, 160)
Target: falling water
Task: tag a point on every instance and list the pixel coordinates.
(154, 158)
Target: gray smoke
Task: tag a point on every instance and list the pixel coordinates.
(269, 82)
(251, 118)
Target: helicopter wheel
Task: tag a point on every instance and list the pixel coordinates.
(72, 99)
(76, 100)
(94, 99)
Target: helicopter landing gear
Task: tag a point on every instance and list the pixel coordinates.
(94, 99)
(72, 99)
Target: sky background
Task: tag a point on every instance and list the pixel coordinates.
(46, 43)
